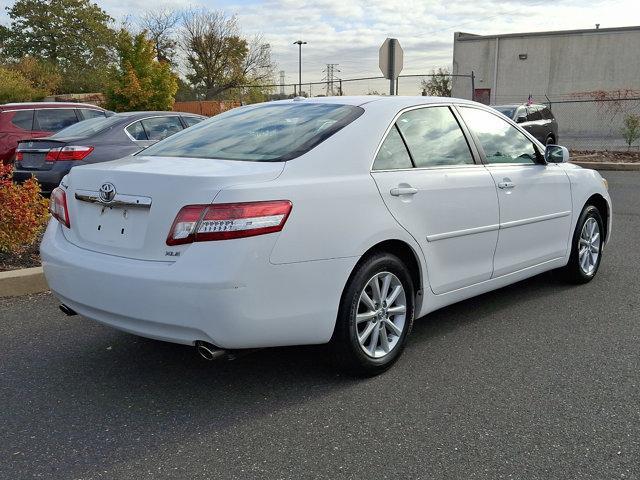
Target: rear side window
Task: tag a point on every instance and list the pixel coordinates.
(546, 113)
(22, 119)
(393, 154)
(159, 128)
(191, 121)
(434, 137)
(136, 131)
(88, 113)
(534, 114)
(54, 119)
(259, 133)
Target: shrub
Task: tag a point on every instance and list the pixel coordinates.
(14, 87)
(631, 130)
(23, 212)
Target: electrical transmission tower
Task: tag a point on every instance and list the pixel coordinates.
(330, 78)
(281, 82)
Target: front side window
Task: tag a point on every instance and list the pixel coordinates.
(55, 119)
(91, 113)
(534, 114)
(393, 154)
(159, 128)
(501, 142)
(259, 133)
(434, 137)
(191, 121)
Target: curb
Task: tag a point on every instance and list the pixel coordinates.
(22, 282)
(609, 166)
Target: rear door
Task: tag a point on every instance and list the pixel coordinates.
(426, 173)
(535, 198)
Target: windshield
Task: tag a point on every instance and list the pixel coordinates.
(87, 128)
(259, 133)
(506, 111)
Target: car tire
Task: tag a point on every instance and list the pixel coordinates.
(373, 322)
(586, 247)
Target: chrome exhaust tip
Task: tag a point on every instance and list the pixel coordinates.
(209, 351)
(68, 311)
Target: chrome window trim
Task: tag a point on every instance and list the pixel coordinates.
(418, 107)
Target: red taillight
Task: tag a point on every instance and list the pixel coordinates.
(19, 156)
(67, 153)
(58, 206)
(201, 223)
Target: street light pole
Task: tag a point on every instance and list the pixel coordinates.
(299, 43)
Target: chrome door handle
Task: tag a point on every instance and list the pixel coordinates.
(506, 185)
(396, 192)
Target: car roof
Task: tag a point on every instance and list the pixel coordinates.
(150, 113)
(391, 101)
(516, 105)
(33, 105)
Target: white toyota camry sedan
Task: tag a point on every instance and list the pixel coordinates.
(310, 221)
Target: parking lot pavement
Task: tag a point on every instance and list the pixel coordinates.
(539, 380)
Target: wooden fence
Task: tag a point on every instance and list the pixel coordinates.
(205, 107)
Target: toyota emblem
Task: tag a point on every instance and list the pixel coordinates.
(107, 192)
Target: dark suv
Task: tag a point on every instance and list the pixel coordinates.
(536, 119)
(22, 121)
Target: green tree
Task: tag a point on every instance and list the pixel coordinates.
(439, 83)
(74, 35)
(140, 82)
(631, 129)
(42, 75)
(14, 87)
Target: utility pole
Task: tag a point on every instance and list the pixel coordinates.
(299, 43)
(330, 78)
(282, 82)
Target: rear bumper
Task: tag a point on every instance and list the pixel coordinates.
(48, 179)
(233, 300)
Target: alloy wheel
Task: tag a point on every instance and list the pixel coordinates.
(589, 246)
(381, 315)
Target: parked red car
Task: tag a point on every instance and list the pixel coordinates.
(21, 121)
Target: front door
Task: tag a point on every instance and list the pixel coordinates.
(430, 183)
(535, 198)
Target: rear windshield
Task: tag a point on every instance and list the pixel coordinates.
(259, 133)
(506, 111)
(86, 128)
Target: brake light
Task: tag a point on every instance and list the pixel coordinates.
(67, 153)
(19, 156)
(58, 206)
(201, 223)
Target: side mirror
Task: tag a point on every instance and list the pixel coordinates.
(556, 154)
(521, 119)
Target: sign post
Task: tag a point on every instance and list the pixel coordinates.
(391, 58)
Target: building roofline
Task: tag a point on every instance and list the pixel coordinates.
(464, 36)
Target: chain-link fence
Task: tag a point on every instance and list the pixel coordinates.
(406, 85)
(597, 125)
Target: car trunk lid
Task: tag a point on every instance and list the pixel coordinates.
(141, 197)
(34, 153)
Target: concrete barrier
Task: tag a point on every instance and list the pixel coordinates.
(22, 282)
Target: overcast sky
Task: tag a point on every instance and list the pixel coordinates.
(349, 32)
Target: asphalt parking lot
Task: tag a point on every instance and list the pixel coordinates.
(539, 380)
